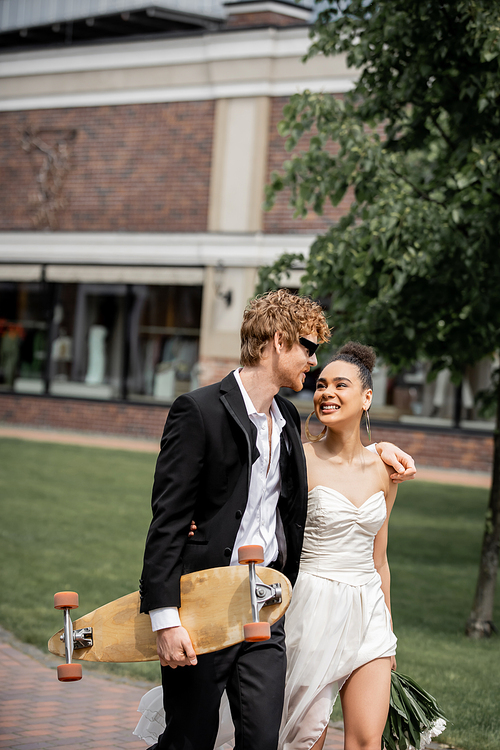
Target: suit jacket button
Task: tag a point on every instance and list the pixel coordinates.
(238, 514)
(227, 552)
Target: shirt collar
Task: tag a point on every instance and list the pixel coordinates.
(275, 412)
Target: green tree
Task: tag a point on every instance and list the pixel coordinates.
(413, 267)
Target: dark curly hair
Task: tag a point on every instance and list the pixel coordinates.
(363, 357)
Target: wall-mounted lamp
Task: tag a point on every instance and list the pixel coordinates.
(226, 296)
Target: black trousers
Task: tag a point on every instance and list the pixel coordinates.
(253, 674)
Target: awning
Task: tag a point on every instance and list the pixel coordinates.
(164, 275)
(20, 272)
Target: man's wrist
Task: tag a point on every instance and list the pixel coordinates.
(164, 630)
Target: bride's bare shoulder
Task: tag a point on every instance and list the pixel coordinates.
(383, 470)
(371, 457)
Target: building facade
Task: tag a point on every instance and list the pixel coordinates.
(135, 144)
(131, 199)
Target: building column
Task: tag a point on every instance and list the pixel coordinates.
(239, 161)
(238, 175)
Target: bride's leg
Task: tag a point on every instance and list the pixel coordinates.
(365, 704)
(319, 744)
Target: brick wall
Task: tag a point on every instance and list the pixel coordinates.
(140, 168)
(280, 218)
(448, 449)
(454, 449)
(214, 369)
(132, 420)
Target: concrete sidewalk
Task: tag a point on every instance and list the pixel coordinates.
(425, 473)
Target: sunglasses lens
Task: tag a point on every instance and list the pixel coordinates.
(309, 345)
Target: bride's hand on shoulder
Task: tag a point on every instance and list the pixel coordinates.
(402, 463)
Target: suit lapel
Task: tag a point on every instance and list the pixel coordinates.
(296, 453)
(231, 398)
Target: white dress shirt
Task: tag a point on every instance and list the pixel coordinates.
(258, 524)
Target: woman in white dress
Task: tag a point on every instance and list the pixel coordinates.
(338, 627)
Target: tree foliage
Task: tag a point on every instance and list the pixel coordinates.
(413, 267)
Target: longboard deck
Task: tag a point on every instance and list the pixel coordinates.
(215, 606)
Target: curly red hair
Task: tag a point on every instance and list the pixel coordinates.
(279, 311)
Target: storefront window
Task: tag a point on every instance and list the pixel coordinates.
(107, 341)
(23, 335)
(165, 330)
(87, 346)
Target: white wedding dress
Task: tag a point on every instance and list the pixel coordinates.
(337, 621)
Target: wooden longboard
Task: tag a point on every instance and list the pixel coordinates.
(215, 605)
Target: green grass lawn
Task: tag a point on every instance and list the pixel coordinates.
(76, 518)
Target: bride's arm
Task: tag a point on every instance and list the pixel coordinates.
(385, 577)
(381, 561)
(380, 549)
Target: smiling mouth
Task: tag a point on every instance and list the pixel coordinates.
(325, 408)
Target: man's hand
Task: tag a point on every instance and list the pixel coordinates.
(399, 460)
(174, 647)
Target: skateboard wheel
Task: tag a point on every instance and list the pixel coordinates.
(257, 631)
(66, 600)
(250, 553)
(69, 672)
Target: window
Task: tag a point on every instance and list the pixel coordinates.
(104, 341)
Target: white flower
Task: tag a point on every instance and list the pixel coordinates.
(433, 731)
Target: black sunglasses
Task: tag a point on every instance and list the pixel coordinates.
(309, 345)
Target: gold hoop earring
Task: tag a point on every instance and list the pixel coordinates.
(368, 425)
(309, 435)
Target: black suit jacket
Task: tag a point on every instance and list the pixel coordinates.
(203, 473)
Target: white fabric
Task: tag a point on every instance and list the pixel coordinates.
(339, 537)
(164, 617)
(337, 621)
(258, 524)
(152, 722)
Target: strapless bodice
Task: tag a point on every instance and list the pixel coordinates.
(338, 537)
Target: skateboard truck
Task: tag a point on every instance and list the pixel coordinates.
(82, 638)
(267, 594)
(69, 672)
(260, 593)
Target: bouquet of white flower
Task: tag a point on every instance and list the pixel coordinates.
(414, 716)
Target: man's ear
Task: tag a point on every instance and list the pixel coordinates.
(278, 341)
